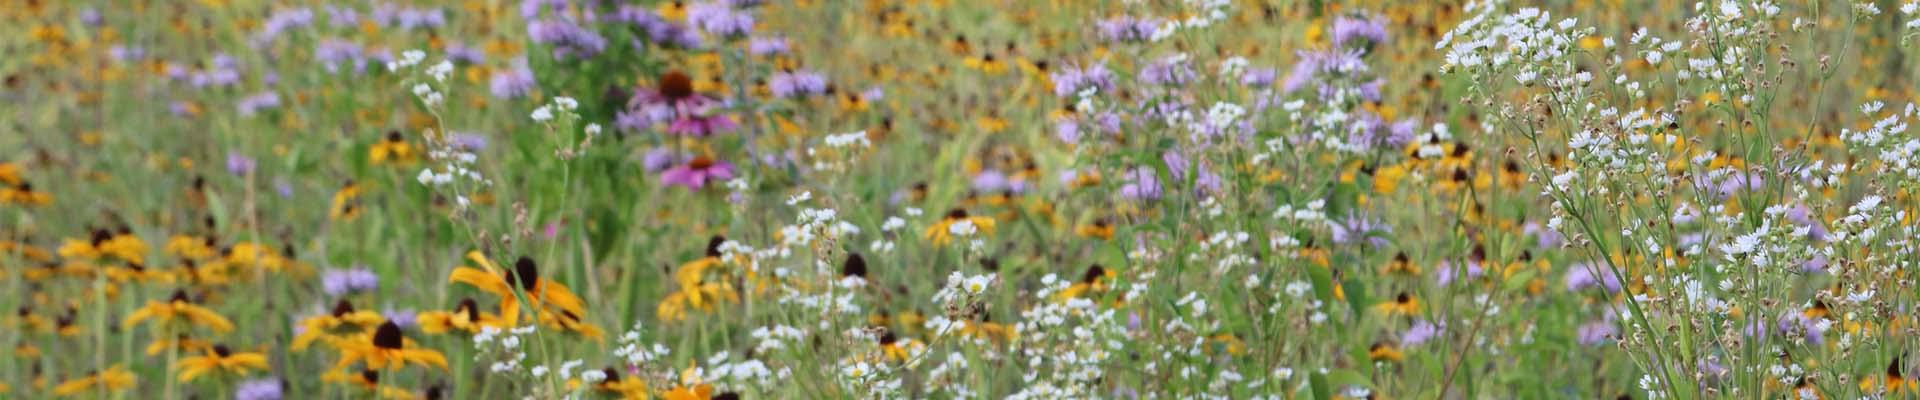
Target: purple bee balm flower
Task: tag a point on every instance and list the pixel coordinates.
(342, 281)
(1816, 264)
(1067, 130)
(1597, 332)
(1356, 228)
(342, 17)
(1127, 29)
(1583, 276)
(1421, 332)
(719, 19)
(261, 101)
(1347, 29)
(462, 53)
(1445, 274)
(468, 141)
(785, 84)
(281, 21)
(767, 46)
(567, 37)
(1170, 71)
(258, 389)
(123, 53)
(239, 164)
(1542, 236)
(697, 173)
(1314, 64)
(1142, 184)
(659, 159)
(90, 17)
(513, 82)
(1258, 77)
(406, 319)
(332, 53)
(990, 181)
(532, 8)
(1071, 80)
(413, 18)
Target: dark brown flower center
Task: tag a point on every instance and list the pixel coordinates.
(388, 337)
(675, 85)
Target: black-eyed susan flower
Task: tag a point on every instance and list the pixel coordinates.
(220, 359)
(689, 392)
(1402, 266)
(1100, 228)
(465, 317)
(697, 291)
(342, 323)
(1403, 305)
(368, 381)
(182, 343)
(1893, 381)
(114, 379)
(346, 202)
(1385, 351)
(179, 311)
(622, 387)
(392, 150)
(554, 305)
(24, 194)
(957, 223)
(387, 348)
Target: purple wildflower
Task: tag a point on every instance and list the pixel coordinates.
(697, 173)
(1127, 29)
(512, 82)
(258, 389)
(1420, 332)
(281, 21)
(785, 84)
(567, 37)
(1142, 184)
(768, 46)
(1346, 29)
(342, 17)
(1073, 79)
(342, 281)
(1583, 276)
(1356, 228)
(1169, 71)
(239, 164)
(260, 101)
(719, 19)
(659, 159)
(1597, 332)
(332, 53)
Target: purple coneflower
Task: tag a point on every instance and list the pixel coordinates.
(697, 173)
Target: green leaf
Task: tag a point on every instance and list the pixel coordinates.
(1519, 280)
(1321, 389)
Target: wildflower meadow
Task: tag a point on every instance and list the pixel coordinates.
(947, 199)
